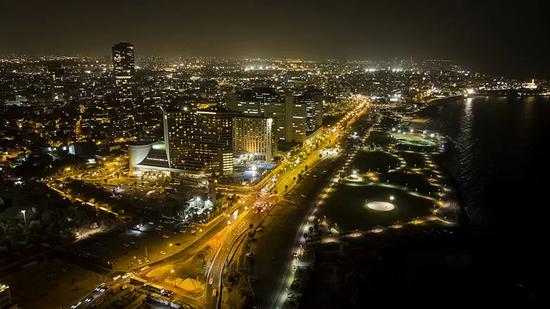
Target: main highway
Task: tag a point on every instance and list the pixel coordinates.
(256, 201)
(269, 195)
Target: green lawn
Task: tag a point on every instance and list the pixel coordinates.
(346, 207)
(375, 161)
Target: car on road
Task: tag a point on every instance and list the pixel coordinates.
(163, 252)
(165, 236)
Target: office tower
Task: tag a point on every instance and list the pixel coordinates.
(199, 141)
(57, 75)
(313, 103)
(278, 111)
(123, 71)
(294, 116)
(262, 101)
(253, 136)
(298, 121)
(304, 115)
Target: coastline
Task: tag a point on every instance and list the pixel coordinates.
(418, 120)
(437, 101)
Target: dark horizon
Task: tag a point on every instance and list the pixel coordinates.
(488, 36)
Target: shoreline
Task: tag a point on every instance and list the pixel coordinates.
(374, 250)
(443, 100)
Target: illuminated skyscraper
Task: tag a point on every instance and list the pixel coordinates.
(124, 67)
(253, 136)
(57, 74)
(312, 101)
(294, 116)
(263, 101)
(199, 141)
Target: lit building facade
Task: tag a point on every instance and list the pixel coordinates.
(124, 67)
(298, 125)
(266, 102)
(148, 158)
(314, 111)
(306, 115)
(57, 74)
(199, 141)
(294, 116)
(253, 135)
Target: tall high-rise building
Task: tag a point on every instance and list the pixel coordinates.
(262, 101)
(124, 67)
(253, 136)
(57, 74)
(297, 128)
(199, 141)
(294, 116)
(306, 116)
(312, 100)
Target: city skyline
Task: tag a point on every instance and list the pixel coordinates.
(471, 32)
(273, 154)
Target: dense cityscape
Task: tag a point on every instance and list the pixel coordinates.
(139, 181)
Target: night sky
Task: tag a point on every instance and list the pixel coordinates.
(507, 37)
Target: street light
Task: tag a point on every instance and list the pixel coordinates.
(23, 211)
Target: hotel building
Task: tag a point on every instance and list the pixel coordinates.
(253, 136)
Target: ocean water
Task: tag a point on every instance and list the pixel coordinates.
(500, 161)
(499, 155)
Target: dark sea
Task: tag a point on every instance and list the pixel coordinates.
(499, 159)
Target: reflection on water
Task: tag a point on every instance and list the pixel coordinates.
(499, 155)
(465, 144)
